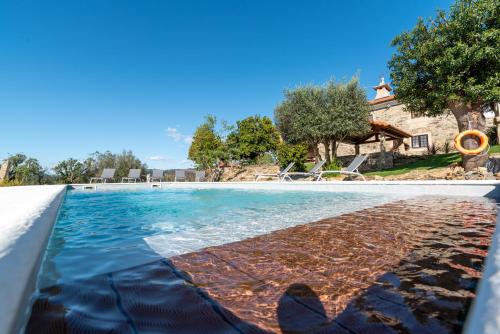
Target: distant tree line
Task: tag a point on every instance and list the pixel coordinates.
(24, 170)
(308, 116)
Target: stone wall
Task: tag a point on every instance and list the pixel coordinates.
(439, 130)
(4, 170)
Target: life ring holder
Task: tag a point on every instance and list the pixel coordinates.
(483, 142)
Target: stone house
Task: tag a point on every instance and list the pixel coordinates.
(425, 132)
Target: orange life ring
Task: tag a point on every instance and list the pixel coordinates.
(483, 142)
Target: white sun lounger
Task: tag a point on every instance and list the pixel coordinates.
(133, 175)
(281, 175)
(180, 175)
(313, 172)
(199, 175)
(107, 174)
(352, 169)
(157, 175)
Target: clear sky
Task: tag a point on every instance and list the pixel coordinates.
(81, 76)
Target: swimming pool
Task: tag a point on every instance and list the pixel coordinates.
(105, 231)
(185, 260)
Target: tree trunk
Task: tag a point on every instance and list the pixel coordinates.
(335, 146)
(326, 143)
(315, 151)
(470, 117)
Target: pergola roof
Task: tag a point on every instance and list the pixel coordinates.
(378, 129)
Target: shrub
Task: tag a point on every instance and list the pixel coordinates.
(253, 137)
(292, 153)
(491, 132)
(432, 149)
(447, 147)
(266, 159)
(336, 164)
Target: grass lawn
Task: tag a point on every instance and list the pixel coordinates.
(495, 149)
(432, 161)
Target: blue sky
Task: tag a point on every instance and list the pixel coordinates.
(81, 76)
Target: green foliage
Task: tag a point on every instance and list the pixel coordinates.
(207, 149)
(288, 153)
(451, 58)
(265, 159)
(336, 164)
(74, 171)
(298, 117)
(492, 134)
(126, 161)
(71, 171)
(323, 114)
(24, 170)
(253, 137)
(11, 183)
(447, 147)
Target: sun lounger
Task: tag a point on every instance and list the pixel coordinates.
(281, 175)
(157, 175)
(352, 169)
(313, 172)
(107, 174)
(133, 175)
(199, 176)
(180, 175)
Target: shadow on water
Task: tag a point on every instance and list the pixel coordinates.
(422, 294)
(291, 316)
(427, 292)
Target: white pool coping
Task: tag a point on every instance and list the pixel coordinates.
(483, 188)
(27, 216)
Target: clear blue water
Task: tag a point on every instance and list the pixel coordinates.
(104, 231)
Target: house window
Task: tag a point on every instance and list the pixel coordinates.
(420, 141)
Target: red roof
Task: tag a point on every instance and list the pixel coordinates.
(382, 99)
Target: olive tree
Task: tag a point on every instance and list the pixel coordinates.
(452, 62)
(71, 171)
(346, 114)
(299, 117)
(324, 114)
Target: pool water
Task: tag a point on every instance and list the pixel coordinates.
(104, 231)
(407, 266)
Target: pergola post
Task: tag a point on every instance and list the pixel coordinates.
(381, 159)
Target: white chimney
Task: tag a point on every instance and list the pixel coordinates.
(383, 89)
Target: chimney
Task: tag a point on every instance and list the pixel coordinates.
(383, 89)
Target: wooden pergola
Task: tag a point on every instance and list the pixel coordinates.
(380, 132)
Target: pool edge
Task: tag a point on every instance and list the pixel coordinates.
(20, 262)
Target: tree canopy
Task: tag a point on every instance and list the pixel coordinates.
(207, 149)
(451, 62)
(452, 57)
(25, 170)
(323, 114)
(252, 137)
(71, 171)
(74, 171)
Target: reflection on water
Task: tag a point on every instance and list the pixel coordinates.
(100, 232)
(405, 267)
